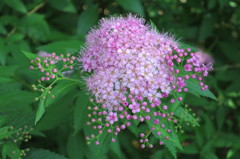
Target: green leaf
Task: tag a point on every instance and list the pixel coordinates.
(195, 89)
(35, 26)
(154, 27)
(211, 4)
(229, 51)
(4, 151)
(43, 154)
(29, 55)
(206, 28)
(172, 142)
(116, 149)
(63, 5)
(4, 132)
(220, 116)
(7, 71)
(18, 98)
(62, 88)
(3, 30)
(185, 116)
(2, 121)
(76, 148)
(84, 22)
(132, 5)
(171, 147)
(209, 155)
(58, 113)
(209, 126)
(104, 140)
(20, 118)
(222, 3)
(61, 47)
(40, 111)
(183, 45)
(11, 150)
(80, 111)
(5, 80)
(17, 5)
(224, 140)
(3, 52)
(177, 103)
(190, 149)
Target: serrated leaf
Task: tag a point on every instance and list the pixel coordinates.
(3, 52)
(84, 22)
(174, 106)
(40, 111)
(4, 151)
(183, 45)
(3, 120)
(185, 116)
(132, 5)
(35, 26)
(233, 55)
(172, 142)
(11, 150)
(206, 28)
(44, 154)
(3, 30)
(80, 111)
(63, 5)
(62, 47)
(58, 91)
(19, 98)
(190, 149)
(116, 149)
(76, 148)
(55, 115)
(37, 133)
(29, 55)
(195, 89)
(21, 117)
(4, 132)
(62, 88)
(104, 140)
(154, 27)
(5, 80)
(7, 71)
(17, 5)
(171, 147)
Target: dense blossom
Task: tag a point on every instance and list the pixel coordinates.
(133, 68)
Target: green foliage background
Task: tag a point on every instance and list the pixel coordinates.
(61, 25)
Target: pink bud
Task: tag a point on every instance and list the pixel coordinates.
(54, 70)
(165, 107)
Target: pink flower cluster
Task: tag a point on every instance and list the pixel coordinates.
(133, 68)
(126, 55)
(46, 64)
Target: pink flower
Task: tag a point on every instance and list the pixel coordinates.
(133, 68)
(135, 107)
(112, 117)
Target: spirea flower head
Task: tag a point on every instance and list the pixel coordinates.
(137, 74)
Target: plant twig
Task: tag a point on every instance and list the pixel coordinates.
(34, 10)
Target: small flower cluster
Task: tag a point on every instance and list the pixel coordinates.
(52, 67)
(134, 69)
(47, 65)
(19, 135)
